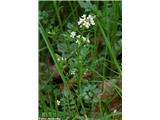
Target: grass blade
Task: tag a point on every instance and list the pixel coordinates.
(45, 37)
(108, 45)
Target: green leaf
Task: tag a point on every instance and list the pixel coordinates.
(84, 52)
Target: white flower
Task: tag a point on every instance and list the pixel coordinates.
(63, 59)
(83, 16)
(83, 38)
(58, 59)
(58, 102)
(86, 21)
(80, 21)
(78, 42)
(115, 111)
(78, 36)
(73, 34)
(91, 19)
(92, 22)
(86, 24)
(73, 71)
(78, 39)
(88, 41)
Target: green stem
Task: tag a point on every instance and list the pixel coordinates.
(70, 4)
(57, 13)
(80, 80)
(101, 112)
(56, 106)
(81, 102)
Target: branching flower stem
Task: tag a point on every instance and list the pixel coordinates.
(80, 80)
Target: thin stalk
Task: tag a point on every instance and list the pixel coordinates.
(79, 78)
(72, 13)
(79, 82)
(95, 49)
(76, 12)
(68, 104)
(104, 78)
(51, 105)
(57, 13)
(56, 106)
(113, 114)
(82, 106)
(70, 4)
(111, 69)
(101, 112)
(65, 110)
(104, 68)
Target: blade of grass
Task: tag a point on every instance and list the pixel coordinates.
(108, 45)
(49, 46)
(53, 55)
(109, 117)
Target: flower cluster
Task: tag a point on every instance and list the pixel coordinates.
(58, 102)
(73, 34)
(79, 38)
(82, 39)
(86, 21)
(59, 58)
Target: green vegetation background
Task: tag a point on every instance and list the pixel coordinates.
(98, 95)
